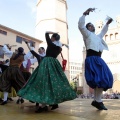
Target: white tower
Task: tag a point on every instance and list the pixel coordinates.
(51, 16)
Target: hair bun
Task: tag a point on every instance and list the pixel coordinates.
(56, 36)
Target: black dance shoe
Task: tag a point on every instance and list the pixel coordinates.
(55, 106)
(37, 104)
(98, 105)
(9, 99)
(4, 102)
(45, 108)
(20, 101)
(102, 106)
(1, 100)
(40, 109)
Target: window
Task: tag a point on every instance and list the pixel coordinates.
(3, 32)
(116, 35)
(19, 39)
(111, 37)
(1, 53)
(32, 43)
(98, 26)
(106, 37)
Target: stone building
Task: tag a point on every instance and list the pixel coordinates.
(13, 37)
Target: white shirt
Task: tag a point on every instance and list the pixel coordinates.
(33, 60)
(91, 40)
(9, 53)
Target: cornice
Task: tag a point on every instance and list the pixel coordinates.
(52, 19)
(113, 62)
(112, 42)
(19, 33)
(64, 1)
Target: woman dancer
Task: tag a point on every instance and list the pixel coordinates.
(12, 76)
(48, 83)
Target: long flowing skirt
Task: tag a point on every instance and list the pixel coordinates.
(48, 84)
(97, 73)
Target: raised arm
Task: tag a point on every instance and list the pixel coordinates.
(28, 45)
(81, 23)
(6, 51)
(35, 54)
(105, 28)
(32, 52)
(48, 40)
(29, 54)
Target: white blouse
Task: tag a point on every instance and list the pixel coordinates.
(34, 60)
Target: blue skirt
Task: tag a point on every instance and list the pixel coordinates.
(97, 73)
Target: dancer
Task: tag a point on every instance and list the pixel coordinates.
(27, 63)
(97, 74)
(4, 66)
(48, 84)
(38, 57)
(12, 76)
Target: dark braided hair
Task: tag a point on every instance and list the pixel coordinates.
(56, 36)
(20, 52)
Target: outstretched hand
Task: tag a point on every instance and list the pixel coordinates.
(109, 21)
(25, 41)
(9, 47)
(88, 11)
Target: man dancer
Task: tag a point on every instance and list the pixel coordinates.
(97, 74)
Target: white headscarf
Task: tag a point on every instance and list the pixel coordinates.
(43, 54)
(58, 43)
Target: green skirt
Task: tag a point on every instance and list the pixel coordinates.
(48, 84)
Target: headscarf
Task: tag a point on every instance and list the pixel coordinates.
(58, 43)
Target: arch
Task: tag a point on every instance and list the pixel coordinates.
(116, 35)
(111, 37)
(106, 38)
